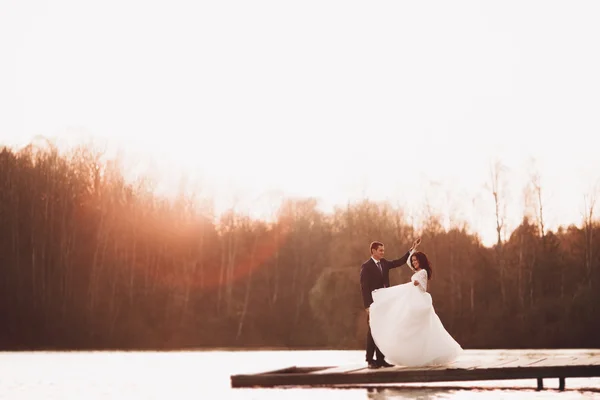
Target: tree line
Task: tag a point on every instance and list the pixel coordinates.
(90, 261)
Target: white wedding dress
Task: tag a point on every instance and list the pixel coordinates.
(406, 328)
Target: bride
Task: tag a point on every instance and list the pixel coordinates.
(404, 324)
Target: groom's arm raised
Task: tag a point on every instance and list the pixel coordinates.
(401, 261)
(404, 259)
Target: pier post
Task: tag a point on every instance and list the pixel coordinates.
(540, 384)
(561, 383)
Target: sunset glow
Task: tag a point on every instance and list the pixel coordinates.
(409, 103)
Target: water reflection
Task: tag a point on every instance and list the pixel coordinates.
(206, 375)
(408, 393)
(421, 393)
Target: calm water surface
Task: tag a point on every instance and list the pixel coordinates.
(205, 375)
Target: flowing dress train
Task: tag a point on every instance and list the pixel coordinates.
(406, 328)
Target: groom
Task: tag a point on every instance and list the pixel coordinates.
(375, 274)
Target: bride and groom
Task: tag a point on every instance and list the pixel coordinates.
(403, 326)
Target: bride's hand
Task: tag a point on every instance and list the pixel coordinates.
(416, 244)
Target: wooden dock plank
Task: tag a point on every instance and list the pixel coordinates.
(469, 368)
(342, 369)
(595, 360)
(504, 362)
(468, 364)
(558, 361)
(435, 375)
(371, 371)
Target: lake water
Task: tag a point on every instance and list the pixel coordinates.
(206, 375)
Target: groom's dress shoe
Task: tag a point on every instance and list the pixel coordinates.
(373, 365)
(384, 364)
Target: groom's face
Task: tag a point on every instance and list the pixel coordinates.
(378, 253)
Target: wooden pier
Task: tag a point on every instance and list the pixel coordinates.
(469, 367)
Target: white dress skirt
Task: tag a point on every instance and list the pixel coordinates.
(406, 328)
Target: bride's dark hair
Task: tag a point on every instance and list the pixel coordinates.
(424, 263)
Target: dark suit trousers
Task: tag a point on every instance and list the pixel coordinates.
(371, 347)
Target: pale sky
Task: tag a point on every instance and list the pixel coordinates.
(339, 100)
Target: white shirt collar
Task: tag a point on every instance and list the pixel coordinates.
(375, 260)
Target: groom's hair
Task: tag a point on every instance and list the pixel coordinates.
(375, 246)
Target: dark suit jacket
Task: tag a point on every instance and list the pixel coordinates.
(371, 278)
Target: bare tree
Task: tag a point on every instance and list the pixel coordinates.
(499, 193)
(498, 190)
(588, 227)
(534, 198)
(256, 233)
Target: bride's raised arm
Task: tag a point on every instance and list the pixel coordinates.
(412, 250)
(409, 261)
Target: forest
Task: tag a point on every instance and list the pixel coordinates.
(91, 261)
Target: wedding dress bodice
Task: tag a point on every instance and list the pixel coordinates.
(421, 277)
